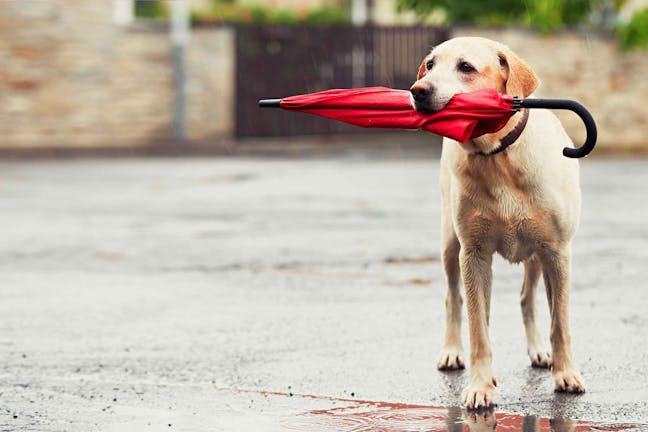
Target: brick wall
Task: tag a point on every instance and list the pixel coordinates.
(211, 83)
(70, 77)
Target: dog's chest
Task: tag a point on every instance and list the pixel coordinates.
(517, 240)
(502, 208)
(507, 222)
(514, 226)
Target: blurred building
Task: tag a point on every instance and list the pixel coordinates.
(78, 74)
(89, 74)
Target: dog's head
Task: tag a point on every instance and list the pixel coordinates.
(466, 64)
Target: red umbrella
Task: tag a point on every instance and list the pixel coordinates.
(466, 116)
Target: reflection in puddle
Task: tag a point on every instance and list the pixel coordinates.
(364, 416)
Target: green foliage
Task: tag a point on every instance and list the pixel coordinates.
(467, 11)
(634, 34)
(231, 12)
(327, 15)
(150, 9)
(578, 11)
(545, 15)
(258, 14)
(551, 15)
(281, 16)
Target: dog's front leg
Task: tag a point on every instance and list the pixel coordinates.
(556, 264)
(451, 356)
(477, 277)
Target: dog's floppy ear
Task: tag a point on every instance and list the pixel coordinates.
(422, 70)
(521, 81)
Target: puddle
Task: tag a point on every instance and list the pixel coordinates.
(349, 415)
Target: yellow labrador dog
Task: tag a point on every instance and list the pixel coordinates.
(510, 192)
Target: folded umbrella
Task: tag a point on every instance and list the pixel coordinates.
(466, 116)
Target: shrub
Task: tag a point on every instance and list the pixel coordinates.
(281, 16)
(227, 11)
(545, 15)
(634, 34)
(327, 15)
(150, 9)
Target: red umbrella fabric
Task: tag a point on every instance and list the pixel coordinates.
(466, 116)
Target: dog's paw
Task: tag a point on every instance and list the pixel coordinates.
(451, 358)
(478, 396)
(568, 380)
(540, 357)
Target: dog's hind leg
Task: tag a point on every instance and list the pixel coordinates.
(556, 269)
(538, 353)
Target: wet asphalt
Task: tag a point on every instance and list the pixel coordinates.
(288, 294)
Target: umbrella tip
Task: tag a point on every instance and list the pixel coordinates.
(269, 103)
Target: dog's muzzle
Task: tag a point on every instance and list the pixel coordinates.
(422, 95)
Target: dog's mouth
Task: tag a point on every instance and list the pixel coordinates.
(424, 107)
(429, 106)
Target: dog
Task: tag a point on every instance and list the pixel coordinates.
(510, 192)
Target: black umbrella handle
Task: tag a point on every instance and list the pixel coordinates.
(566, 104)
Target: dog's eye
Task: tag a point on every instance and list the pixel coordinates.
(466, 67)
(429, 65)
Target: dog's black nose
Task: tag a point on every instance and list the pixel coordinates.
(420, 91)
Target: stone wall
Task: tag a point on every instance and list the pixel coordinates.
(589, 68)
(70, 77)
(211, 83)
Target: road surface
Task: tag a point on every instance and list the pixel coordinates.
(265, 293)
